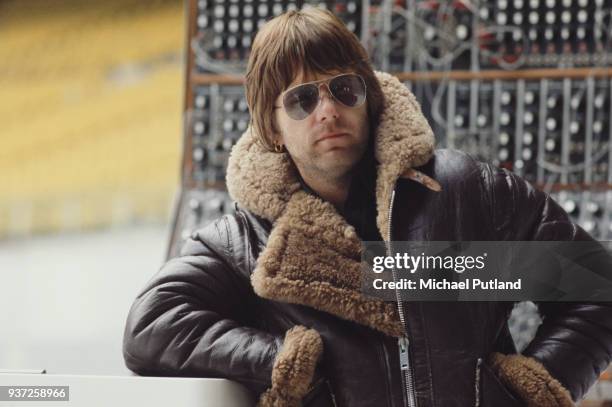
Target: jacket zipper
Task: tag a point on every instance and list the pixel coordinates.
(331, 392)
(402, 342)
(477, 384)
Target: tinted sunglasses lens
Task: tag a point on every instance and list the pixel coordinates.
(348, 89)
(301, 101)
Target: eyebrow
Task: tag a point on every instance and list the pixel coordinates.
(319, 80)
(337, 73)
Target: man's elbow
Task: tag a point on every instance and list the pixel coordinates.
(138, 356)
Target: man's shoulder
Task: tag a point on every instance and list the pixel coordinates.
(462, 174)
(231, 227)
(449, 166)
(214, 234)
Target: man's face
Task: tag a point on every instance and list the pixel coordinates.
(307, 141)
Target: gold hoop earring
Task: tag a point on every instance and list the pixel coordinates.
(278, 148)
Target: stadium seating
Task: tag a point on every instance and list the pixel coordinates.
(90, 103)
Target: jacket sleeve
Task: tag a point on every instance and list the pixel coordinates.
(574, 342)
(187, 320)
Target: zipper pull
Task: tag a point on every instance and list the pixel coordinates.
(403, 344)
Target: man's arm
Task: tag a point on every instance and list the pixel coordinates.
(574, 342)
(189, 321)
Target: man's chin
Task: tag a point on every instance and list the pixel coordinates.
(338, 167)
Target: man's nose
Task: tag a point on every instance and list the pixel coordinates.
(327, 108)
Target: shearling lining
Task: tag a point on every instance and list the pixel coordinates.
(531, 381)
(294, 368)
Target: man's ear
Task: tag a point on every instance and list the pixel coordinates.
(277, 136)
(279, 144)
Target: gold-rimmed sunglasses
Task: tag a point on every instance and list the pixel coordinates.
(301, 100)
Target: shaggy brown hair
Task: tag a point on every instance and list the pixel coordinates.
(311, 41)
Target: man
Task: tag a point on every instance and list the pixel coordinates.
(270, 296)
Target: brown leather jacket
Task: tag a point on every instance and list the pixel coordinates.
(270, 295)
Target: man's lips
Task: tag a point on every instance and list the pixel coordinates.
(331, 135)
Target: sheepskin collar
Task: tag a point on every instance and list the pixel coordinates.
(313, 255)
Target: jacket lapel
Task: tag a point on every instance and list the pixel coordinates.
(313, 258)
